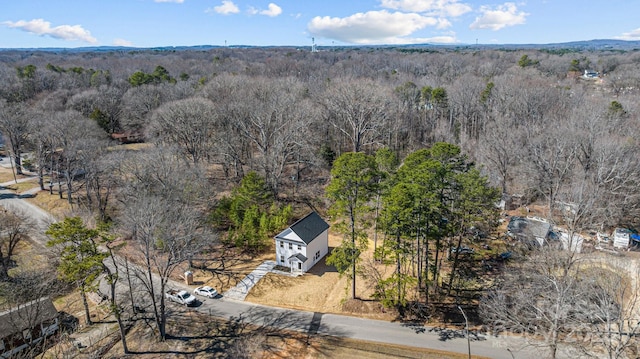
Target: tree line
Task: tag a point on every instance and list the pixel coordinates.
(526, 117)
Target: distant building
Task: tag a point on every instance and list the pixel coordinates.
(530, 230)
(590, 74)
(621, 238)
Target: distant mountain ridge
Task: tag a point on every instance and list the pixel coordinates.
(594, 45)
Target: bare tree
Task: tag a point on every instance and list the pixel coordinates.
(608, 312)
(42, 141)
(14, 127)
(500, 149)
(80, 140)
(160, 215)
(187, 124)
(551, 155)
(273, 117)
(536, 299)
(14, 227)
(357, 110)
(101, 180)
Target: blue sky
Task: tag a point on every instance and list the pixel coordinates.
(152, 23)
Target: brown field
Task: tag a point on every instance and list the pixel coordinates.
(51, 203)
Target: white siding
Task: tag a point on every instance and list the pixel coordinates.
(319, 245)
(283, 252)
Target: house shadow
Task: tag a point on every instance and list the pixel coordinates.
(322, 267)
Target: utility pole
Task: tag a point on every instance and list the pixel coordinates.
(466, 326)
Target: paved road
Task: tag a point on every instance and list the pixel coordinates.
(321, 323)
(367, 329)
(16, 203)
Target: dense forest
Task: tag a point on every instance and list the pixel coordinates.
(417, 144)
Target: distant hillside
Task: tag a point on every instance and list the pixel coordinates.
(591, 45)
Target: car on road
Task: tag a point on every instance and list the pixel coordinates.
(181, 297)
(206, 291)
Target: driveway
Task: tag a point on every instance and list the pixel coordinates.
(240, 291)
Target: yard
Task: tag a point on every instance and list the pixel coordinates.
(320, 290)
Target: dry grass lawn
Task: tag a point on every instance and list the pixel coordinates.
(6, 175)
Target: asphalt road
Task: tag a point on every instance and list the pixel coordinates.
(320, 323)
(420, 336)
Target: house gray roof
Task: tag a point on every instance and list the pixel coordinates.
(539, 229)
(299, 257)
(529, 228)
(306, 228)
(26, 316)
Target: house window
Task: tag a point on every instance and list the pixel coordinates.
(281, 244)
(299, 265)
(282, 259)
(299, 247)
(290, 245)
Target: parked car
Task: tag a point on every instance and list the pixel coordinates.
(206, 291)
(181, 297)
(462, 250)
(505, 256)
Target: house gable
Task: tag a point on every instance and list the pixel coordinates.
(289, 235)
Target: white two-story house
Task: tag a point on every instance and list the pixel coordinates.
(303, 244)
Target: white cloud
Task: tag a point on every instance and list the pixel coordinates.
(443, 24)
(631, 35)
(122, 42)
(498, 18)
(63, 32)
(431, 7)
(175, 1)
(375, 27)
(272, 11)
(227, 7)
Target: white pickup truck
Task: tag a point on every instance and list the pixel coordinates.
(183, 297)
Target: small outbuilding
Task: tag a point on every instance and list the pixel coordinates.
(621, 238)
(303, 244)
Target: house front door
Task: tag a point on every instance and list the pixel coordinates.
(299, 266)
